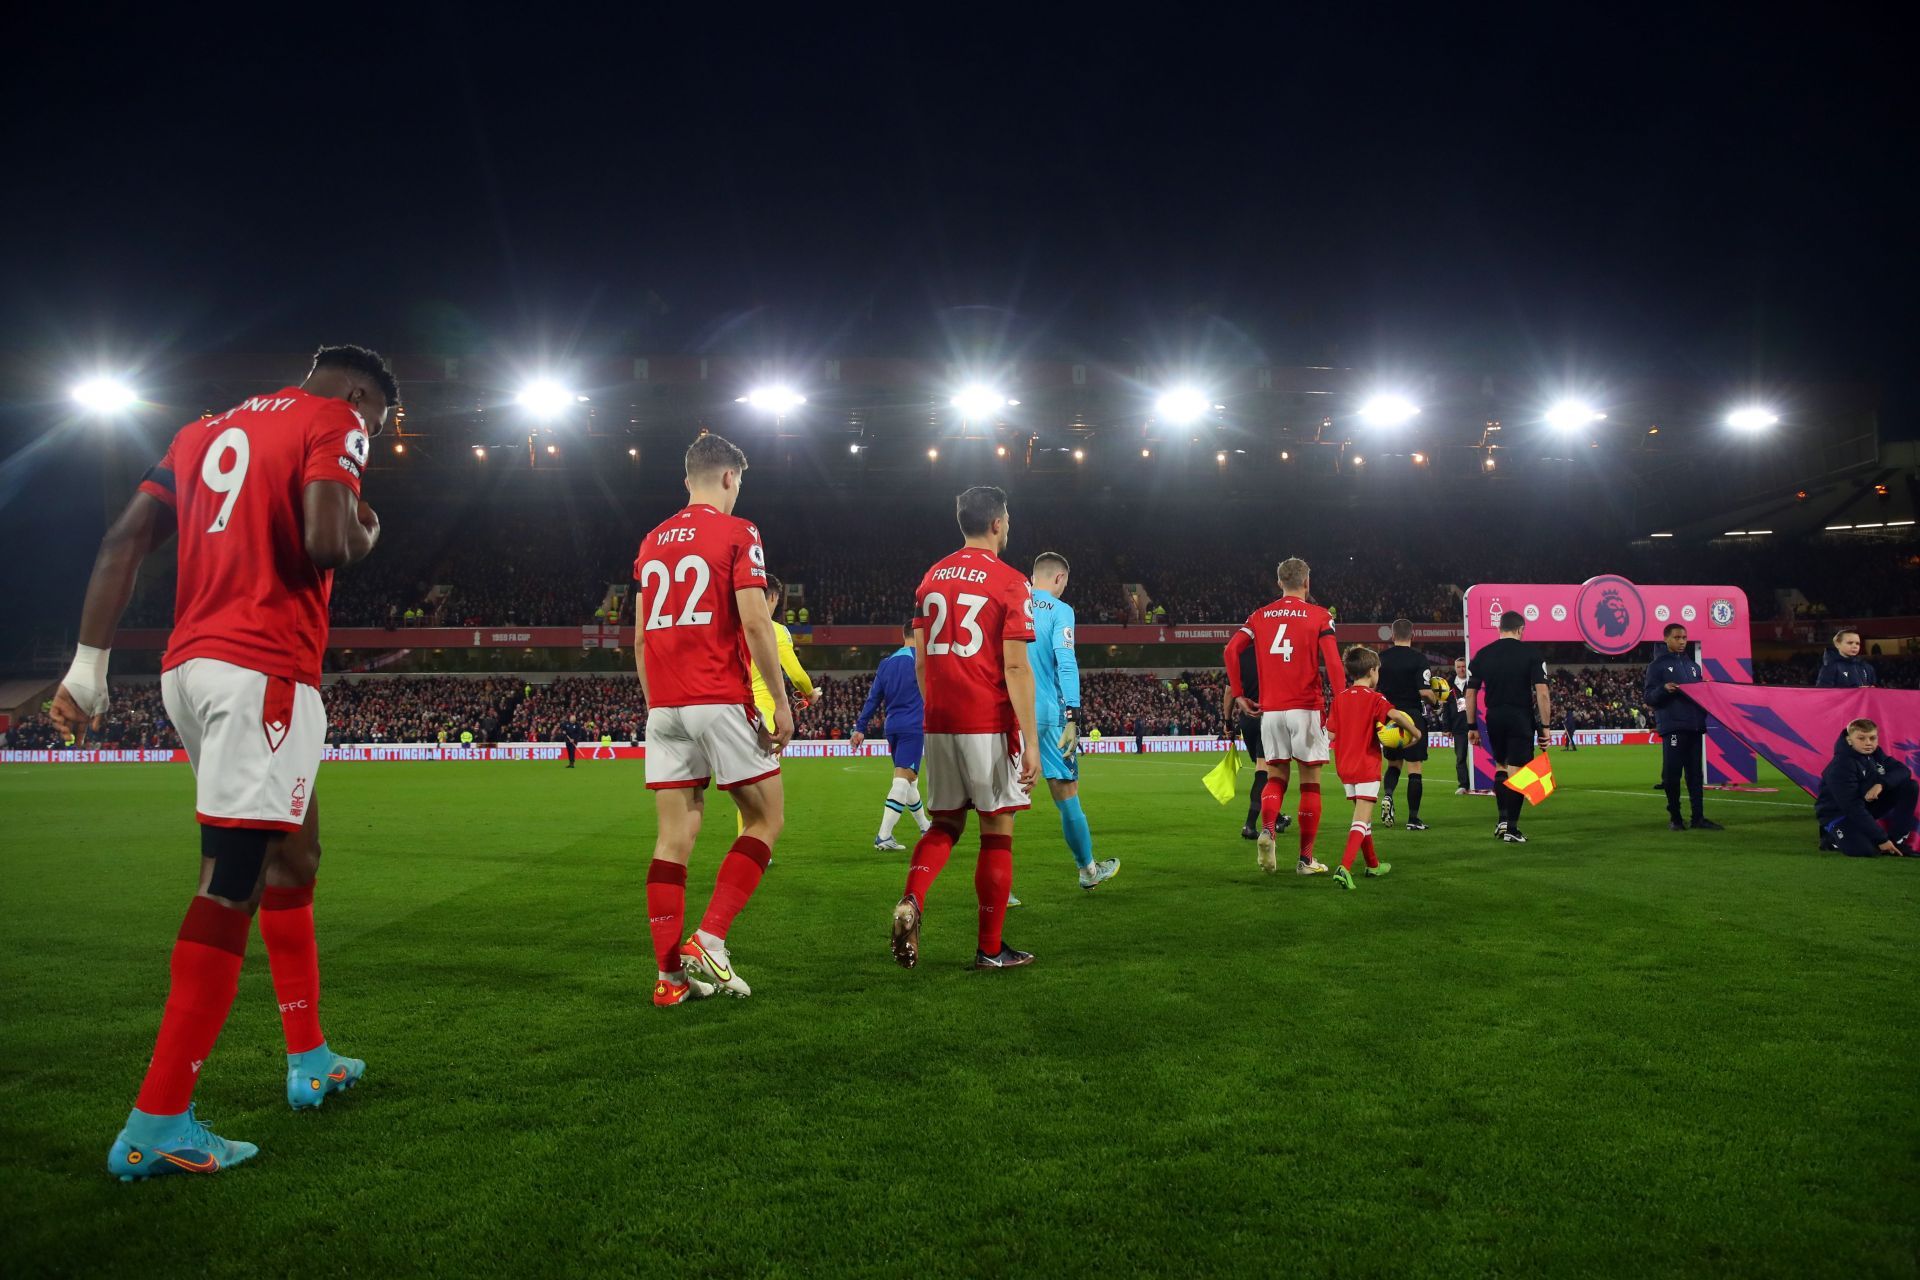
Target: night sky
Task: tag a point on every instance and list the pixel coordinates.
(1694, 194)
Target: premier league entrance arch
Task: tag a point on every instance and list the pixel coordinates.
(1613, 617)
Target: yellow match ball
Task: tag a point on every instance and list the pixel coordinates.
(1393, 736)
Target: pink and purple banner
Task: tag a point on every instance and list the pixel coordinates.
(1613, 617)
(1796, 729)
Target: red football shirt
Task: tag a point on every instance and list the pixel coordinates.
(1357, 713)
(1290, 638)
(688, 570)
(969, 605)
(247, 592)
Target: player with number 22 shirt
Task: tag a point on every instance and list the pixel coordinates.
(266, 501)
(702, 615)
(974, 619)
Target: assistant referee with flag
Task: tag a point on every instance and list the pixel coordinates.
(1515, 681)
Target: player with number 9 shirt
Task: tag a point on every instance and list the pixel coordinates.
(974, 619)
(1292, 639)
(702, 615)
(265, 499)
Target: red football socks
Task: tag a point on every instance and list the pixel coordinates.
(1309, 818)
(207, 956)
(929, 860)
(1272, 800)
(992, 884)
(286, 926)
(740, 873)
(666, 911)
(1366, 847)
(1356, 835)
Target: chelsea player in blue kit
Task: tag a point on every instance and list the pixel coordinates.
(895, 688)
(1056, 702)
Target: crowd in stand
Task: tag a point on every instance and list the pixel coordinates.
(420, 708)
(390, 709)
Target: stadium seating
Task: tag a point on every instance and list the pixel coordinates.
(388, 709)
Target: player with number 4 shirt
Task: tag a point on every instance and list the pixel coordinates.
(702, 615)
(1292, 639)
(974, 619)
(265, 499)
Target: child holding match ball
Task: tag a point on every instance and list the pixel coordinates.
(1354, 724)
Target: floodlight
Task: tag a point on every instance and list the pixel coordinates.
(1182, 404)
(1751, 418)
(776, 400)
(104, 395)
(1571, 415)
(977, 401)
(1079, 455)
(1389, 410)
(398, 447)
(479, 453)
(545, 399)
(553, 448)
(934, 454)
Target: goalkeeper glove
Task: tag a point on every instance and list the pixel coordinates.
(1069, 736)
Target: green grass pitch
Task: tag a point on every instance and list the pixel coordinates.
(1615, 1051)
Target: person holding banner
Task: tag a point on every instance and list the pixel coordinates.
(1682, 724)
(1867, 798)
(1514, 679)
(1843, 667)
(1458, 722)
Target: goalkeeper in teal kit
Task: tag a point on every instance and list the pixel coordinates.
(1056, 700)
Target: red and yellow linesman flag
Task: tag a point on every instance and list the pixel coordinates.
(1534, 779)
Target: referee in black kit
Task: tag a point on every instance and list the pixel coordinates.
(1404, 674)
(1515, 681)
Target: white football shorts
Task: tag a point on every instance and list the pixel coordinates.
(1362, 790)
(713, 742)
(254, 741)
(979, 771)
(1294, 735)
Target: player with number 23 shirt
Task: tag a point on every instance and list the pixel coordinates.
(974, 619)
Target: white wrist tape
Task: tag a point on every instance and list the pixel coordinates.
(86, 679)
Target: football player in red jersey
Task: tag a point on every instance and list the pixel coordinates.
(1353, 722)
(266, 501)
(973, 620)
(1292, 639)
(702, 613)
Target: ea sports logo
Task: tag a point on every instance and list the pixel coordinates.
(1610, 613)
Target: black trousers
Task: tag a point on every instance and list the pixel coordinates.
(1894, 807)
(1462, 756)
(1680, 753)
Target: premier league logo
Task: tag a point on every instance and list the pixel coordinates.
(1611, 615)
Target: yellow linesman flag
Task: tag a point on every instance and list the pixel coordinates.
(1223, 779)
(1534, 780)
